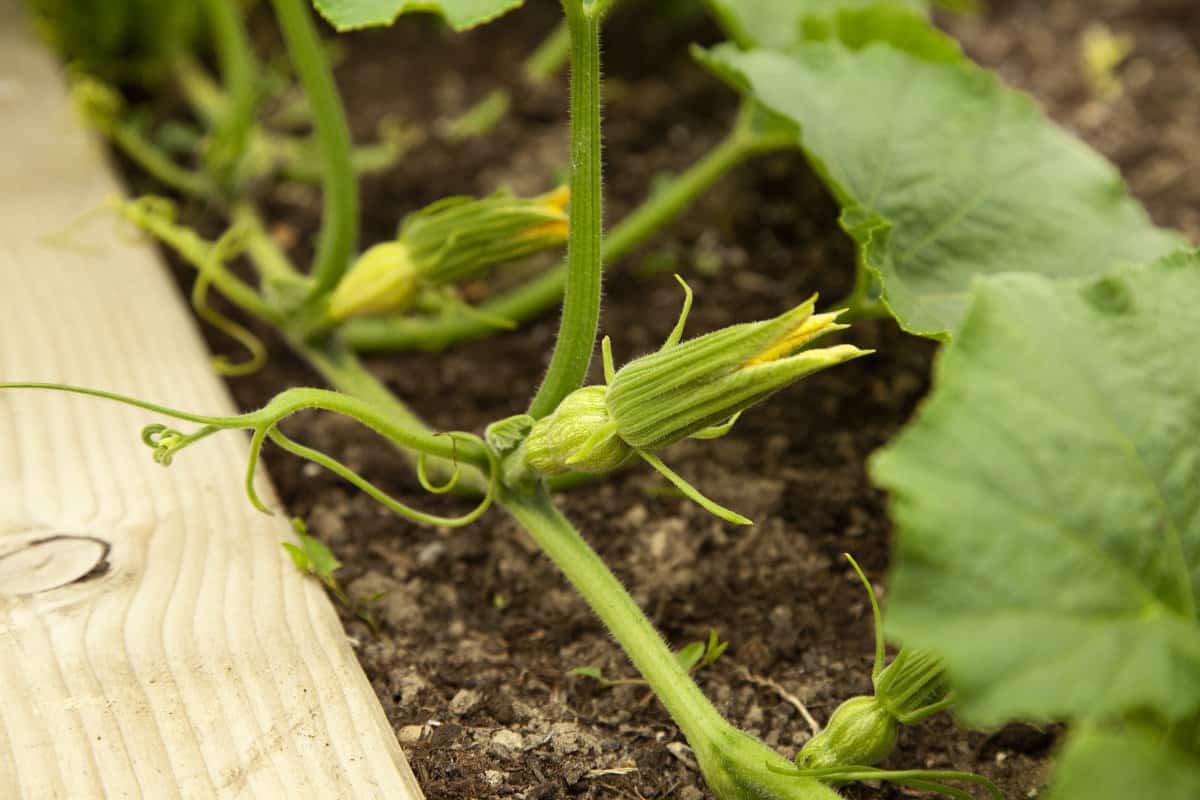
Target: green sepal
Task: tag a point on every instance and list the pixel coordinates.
(578, 436)
(504, 435)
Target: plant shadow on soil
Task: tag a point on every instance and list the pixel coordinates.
(479, 631)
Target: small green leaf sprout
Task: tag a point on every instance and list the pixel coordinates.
(696, 389)
(312, 556)
(693, 657)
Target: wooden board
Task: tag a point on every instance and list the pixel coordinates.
(155, 640)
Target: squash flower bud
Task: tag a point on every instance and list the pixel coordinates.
(861, 731)
(694, 389)
(578, 435)
(669, 395)
(445, 242)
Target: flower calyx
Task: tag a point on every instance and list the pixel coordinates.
(446, 242)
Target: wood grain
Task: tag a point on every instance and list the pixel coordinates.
(155, 641)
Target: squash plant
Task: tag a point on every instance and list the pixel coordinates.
(1048, 526)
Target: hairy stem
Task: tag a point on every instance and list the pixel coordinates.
(157, 164)
(541, 293)
(336, 242)
(691, 710)
(581, 298)
(736, 766)
(236, 59)
(272, 265)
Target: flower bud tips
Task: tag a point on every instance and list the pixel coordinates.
(671, 394)
(383, 279)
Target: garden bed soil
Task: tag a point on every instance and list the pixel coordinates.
(479, 631)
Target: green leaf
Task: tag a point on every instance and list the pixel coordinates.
(1047, 499)
(714, 649)
(779, 24)
(299, 557)
(690, 655)
(1104, 765)
(943, 173)
(324, 562)
(348, 15)
(595, 673)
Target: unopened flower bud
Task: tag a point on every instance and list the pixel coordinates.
(460, 236)
(383, 279)
(446, 242)
(667, 396)
(578, 436)
(860, 732)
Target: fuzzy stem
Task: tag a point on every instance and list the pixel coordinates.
(339, 218)
(736, 766)
(238, 69)
(581, 300)
(272, 265)
(157, 164)
(688, 706)
(541, 293)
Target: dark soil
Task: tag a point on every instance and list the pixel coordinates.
(479, 631)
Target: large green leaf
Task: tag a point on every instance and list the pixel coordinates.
(460, 14)
(943, 173)
(1099, 765)
(1047, 499)
(777, 24)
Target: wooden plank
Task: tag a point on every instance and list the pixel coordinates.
(155, 641)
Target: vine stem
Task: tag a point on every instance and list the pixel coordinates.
(736, 765)
(237, 65)
(564, 545)
(337, 240)
(342, 369)
(533, 298)
(581, 299)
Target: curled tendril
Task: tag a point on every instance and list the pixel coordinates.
(167, 441)
(163, 440)
(266, 421)
(404, 510)
(226, 247)
(927, 780)
(451, 482)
